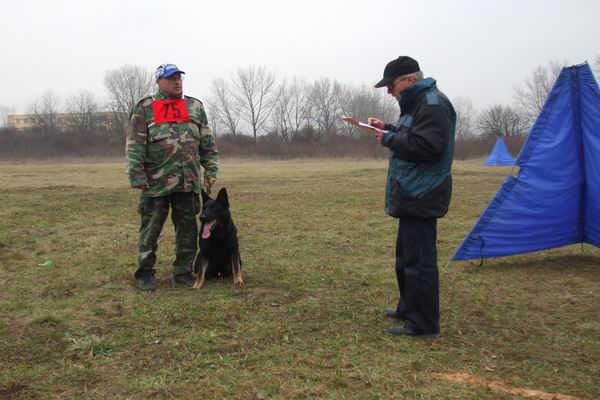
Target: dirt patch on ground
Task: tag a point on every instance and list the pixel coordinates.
(275, 296)
(499, 386)
(269, 291)
(12, 391)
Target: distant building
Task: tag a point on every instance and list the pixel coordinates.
(19, 121)
(27, 121)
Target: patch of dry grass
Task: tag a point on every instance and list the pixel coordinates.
(318, 265)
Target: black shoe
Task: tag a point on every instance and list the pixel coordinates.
(145, 283)
(404, 331)
(186, 280)
(393, 313)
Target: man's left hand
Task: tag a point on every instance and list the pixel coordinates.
(209, 181)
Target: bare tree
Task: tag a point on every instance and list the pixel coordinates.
(465, 117)
(213, 121)
(324, 105)
(384, 107)
(225, 108)
(125, 86)
(364, 102)
(279, 115)
(82, 112)
(531, 96)
(350, 102)
(44, 111)
(291, 109)
(498, 120)
(256, 95)
(596, 67)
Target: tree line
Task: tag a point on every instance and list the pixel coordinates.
(252, 101)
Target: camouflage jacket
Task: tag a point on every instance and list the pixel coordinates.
(169, 155)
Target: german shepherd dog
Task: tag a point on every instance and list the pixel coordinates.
(219, 253)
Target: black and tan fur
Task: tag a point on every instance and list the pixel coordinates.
(219, 253)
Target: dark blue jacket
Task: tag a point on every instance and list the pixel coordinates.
(419, 183)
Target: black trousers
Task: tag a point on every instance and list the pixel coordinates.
(417, 274)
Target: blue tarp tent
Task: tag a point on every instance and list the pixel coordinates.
(499, 155)
(555, 198)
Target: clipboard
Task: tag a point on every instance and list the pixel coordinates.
(361, 125)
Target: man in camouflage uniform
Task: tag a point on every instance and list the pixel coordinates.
(168, 141)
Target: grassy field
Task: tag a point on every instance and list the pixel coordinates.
(318, 265)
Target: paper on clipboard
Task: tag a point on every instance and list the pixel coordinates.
(362, 125)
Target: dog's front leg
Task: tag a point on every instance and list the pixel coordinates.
(203, 264)
(236, 267)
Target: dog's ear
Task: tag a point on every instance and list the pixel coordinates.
(205, 197)
(222, 197)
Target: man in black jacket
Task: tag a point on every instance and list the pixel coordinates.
(418, 191)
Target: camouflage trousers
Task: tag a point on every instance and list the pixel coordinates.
(154, 211)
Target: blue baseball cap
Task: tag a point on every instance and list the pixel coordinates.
(166, 70)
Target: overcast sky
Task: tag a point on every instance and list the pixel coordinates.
(475, 49)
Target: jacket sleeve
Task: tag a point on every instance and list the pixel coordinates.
(209, 156)
(390, 127)
(135, 147)
(427, 139)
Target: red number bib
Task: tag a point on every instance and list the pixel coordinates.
(170, 111)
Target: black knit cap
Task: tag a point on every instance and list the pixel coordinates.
(402, 65)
